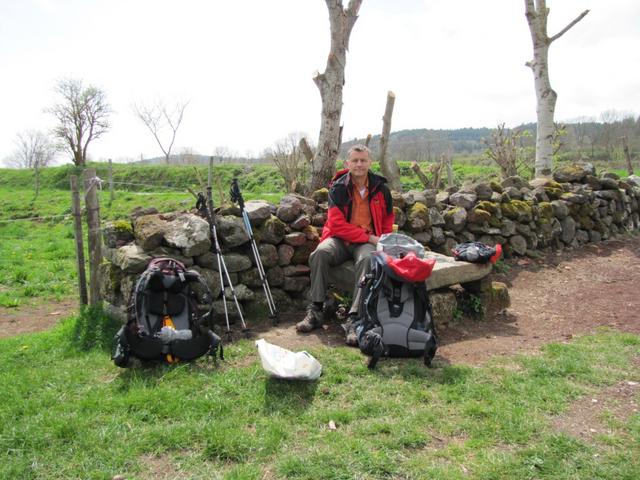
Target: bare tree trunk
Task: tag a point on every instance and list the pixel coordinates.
(306, 149)
(545, 95)
(367, 140)
(420, 174)
(627, 155)
(330, 84)
(389, 167)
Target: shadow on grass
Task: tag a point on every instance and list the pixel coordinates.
(94, 329)
(413, 369)
(287, 397)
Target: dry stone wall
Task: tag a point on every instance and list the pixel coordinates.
(573, 208)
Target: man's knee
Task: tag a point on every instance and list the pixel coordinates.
(319, 256)
(363, 258)
(325, 254)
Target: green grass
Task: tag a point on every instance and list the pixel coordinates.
(36, 262)
(67, 412)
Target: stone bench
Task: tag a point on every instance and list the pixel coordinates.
(446, 272)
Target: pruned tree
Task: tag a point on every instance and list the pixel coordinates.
(82, 115)
(330, 84)
(388, 166)
(505, 148)
(291, 161)
(546, 97)
(158, 118)
(34, 149)
(435, 170)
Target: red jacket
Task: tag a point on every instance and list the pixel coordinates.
(340, 203)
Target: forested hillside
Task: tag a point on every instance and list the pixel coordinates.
(587, 140)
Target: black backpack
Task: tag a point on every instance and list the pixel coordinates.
(165, 319)
(476, 252)
(396, 309)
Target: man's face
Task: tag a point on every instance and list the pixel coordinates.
(358, 164)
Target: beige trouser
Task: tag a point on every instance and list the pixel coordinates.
(330, 253)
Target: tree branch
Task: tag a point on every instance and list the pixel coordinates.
(566, 29)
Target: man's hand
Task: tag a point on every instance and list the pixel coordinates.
(373, 239)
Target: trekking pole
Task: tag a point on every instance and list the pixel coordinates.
(236, 196)
(222, 266)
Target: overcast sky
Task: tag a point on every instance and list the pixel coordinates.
(246, 65)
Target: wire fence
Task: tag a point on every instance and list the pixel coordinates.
(41, 218)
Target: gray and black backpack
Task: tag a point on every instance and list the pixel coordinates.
(396, 310)
(166, 321)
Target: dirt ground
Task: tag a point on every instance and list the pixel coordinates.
(552, 299)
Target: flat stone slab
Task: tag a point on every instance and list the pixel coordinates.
(446, 272)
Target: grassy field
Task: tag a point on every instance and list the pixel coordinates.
(68, 412)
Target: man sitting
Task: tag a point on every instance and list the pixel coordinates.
(360, 210)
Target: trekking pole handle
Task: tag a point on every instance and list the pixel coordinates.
(236, 195)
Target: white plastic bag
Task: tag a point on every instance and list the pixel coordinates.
(282, 363)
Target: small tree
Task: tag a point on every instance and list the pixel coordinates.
(506, 149)
(158, 118)
(82, 116)
(34, 149)
(290, 160)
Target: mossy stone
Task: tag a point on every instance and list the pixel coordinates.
(418, 217)
(495, 186)
(545, 210)
(123, 226)
(495, 222)
(477, 215)
(321, 195)
(487, 206)
(553, 193)
(586, 222)
(518, 210)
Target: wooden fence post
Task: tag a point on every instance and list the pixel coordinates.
(77, 228)
(389, 167)
(95, 243)
(210, 171)
(449, 170)
(110, 182)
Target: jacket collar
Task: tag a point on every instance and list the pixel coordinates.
(343, 177)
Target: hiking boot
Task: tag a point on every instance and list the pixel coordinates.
(351, 336)
(311, 321)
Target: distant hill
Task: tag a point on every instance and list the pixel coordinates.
(423, 144)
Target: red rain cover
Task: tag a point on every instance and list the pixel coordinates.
(410, 267)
